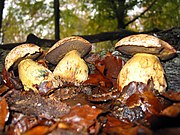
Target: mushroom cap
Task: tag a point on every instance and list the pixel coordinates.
(144, 43)
(20, 52)
(32, 74)
(63, 46)
(72, 68)
(141, 68)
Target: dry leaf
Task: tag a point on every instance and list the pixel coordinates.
(4, 115)
(172, 111)
(81, 117)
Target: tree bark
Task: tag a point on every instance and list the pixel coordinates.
(119, 11)
(1, 16)
(105, 36)
(1, 12)
(56, 14)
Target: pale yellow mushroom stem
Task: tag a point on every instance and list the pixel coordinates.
(72, 68)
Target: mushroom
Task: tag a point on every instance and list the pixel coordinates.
(35, 76)
(145, 64)
(63, 46)
(144, 43)
(72, 68)
(21, 52)
(67, 53)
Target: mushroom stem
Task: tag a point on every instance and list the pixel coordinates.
(72, 68)
(32, 75)
(140, 68)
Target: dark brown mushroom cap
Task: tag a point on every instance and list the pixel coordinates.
(144, 43)
(65, 45)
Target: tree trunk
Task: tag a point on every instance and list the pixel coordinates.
(56, 14)
(1, 17)
(1, 11)
(119, 10)
(121, 14)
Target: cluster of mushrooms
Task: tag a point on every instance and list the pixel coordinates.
(67, 55)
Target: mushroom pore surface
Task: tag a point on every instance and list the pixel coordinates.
(140, 68)
(144, 43)
(65, 45)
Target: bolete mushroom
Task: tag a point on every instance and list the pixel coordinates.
(145, 64)
(72, 68)
(67, 53)
(35, 76)
(21, 52)
(65, 45)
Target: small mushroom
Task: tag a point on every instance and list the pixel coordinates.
(34, 76)
(72, 68)
(21, 52)
(145, 64)
(67, 53)
(65, 45)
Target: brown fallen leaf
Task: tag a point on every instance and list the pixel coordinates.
(98, 79)
(172, 95)
(115, 126)
(20, 124)
(172, 111)
(92, 57)
(10, 80)
(4, 115)
(151, 102)
(6, 78)
(38, 130)
(3, 89)
(81, 118)
(110, 67)
(113, 122)
(137, 102)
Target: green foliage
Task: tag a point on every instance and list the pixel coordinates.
(28, 16)
(164, 14)
(85, 17)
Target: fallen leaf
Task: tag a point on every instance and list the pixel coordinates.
(81, 117)
(3, 89)
(172, 95)
(4, 115)
(172, 111)
(38, 130)
(117, 127)
(98, 79)
(20, 124)
(137, 102)
(110, 67)
(10, 80)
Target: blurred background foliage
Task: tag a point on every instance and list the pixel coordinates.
(86, 17)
